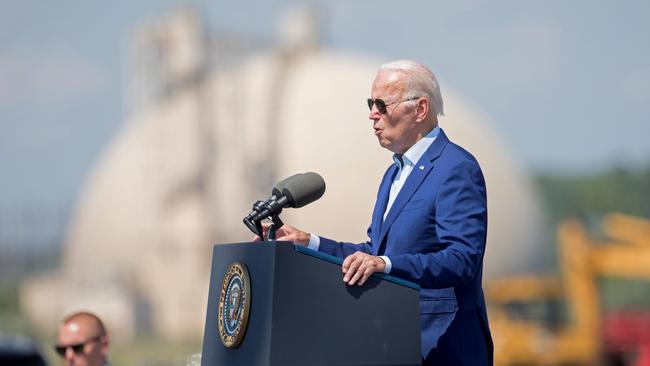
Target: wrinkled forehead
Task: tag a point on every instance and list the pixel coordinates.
(389, 83)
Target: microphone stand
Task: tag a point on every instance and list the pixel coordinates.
(254, 220)
(277, 223)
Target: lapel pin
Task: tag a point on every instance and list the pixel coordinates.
(421, 167)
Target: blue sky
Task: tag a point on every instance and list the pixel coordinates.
(565, 83)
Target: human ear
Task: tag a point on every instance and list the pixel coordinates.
(422, 109)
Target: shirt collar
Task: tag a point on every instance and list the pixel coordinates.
(415, 152)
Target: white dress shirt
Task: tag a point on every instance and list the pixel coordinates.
(405, 164)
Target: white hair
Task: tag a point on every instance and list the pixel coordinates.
(419, 80)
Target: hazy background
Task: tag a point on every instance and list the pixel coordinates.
(565, 84)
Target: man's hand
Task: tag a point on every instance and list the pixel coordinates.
(286, 233)
(289, 233)
(358, 267)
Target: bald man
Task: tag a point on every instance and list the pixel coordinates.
(82, 340)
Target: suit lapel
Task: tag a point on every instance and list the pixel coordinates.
(380, 206)
(421, 169)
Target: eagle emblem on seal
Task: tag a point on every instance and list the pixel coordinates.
(234, 305)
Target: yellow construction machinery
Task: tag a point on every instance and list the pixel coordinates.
(559, 321)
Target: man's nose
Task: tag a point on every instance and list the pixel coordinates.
(374, 113)
(69, 355)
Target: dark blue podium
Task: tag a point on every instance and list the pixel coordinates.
(280, 304)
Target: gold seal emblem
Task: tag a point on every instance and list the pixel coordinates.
(234, 305)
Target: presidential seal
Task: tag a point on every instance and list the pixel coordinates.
(234, 305)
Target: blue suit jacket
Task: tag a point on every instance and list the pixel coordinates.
(434, 235)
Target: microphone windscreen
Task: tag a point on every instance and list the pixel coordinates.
(277, 189)
(303, 189)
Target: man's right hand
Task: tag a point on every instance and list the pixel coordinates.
(290, 233)
(287, 233)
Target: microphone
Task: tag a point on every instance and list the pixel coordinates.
(276, 194)
(303, 189)
(277, 189)
(299, 190)
(295, 191)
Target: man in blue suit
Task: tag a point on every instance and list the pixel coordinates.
(429, 224)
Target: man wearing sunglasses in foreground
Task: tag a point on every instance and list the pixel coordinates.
(429, 224)
(82, 340)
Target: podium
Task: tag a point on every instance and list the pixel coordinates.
(280, 304)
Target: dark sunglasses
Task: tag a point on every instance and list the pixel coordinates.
(381, 105)
(76, 348)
